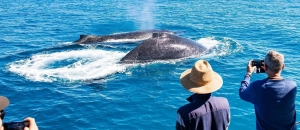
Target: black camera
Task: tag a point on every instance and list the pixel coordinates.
(16, 125)
(258, 64)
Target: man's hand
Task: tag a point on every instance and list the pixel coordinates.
(250, 68)
(32, 124)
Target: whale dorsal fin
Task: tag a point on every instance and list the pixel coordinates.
(81, 39)
(82, 36)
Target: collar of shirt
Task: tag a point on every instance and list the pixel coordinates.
(199, 97)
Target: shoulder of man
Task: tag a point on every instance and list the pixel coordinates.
(291, 81)
(219, 98)
(220, 102)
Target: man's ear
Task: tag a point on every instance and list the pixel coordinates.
(282, 66)
(265, 67)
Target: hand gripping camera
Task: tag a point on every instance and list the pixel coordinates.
(258, 64)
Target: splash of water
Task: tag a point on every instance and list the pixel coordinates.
(219, 46)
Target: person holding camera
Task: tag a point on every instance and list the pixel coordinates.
(273, 97)
(3, 104)
(204, 111)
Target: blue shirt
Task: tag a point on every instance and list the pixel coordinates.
(274, 102)
(204, 112)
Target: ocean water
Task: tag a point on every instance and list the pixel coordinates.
(69, 86)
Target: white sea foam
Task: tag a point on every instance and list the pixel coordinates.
(71, 65)
(219, 46)
(208, 42)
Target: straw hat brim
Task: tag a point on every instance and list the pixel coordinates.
(215, 84)
(3, 102)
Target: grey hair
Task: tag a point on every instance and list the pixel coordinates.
(274, 61)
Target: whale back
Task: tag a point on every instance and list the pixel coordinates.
(89, 39)
(164, 46)
(127, 36)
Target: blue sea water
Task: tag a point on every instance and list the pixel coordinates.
(68, 86)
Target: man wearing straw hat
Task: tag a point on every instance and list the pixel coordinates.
(273, 97)
(204, 112)
(3, 104)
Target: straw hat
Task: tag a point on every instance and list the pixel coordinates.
(201, 78)
(3, 102)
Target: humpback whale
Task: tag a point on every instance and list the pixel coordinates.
(164, 46)
(155, 45)
(129, 36)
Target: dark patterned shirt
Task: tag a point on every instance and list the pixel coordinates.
(204, 112)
